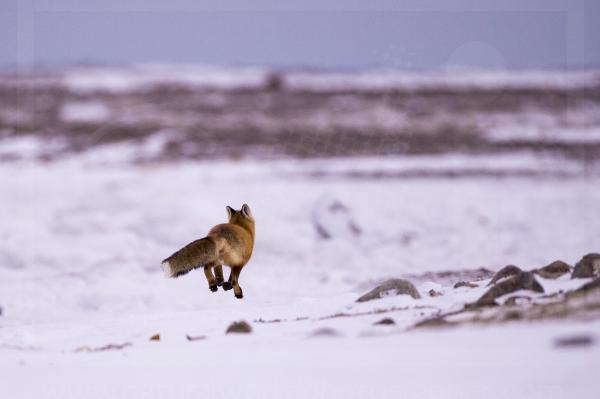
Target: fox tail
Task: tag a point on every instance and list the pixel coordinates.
(196, 254)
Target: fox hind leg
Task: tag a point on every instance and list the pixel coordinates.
(212, 283)
(219, 274)
(227, 285)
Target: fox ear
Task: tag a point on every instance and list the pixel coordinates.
(246, 211)
(230, 211)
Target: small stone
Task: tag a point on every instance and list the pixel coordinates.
(506, 271)
(239, 327)
(465, 284)
(274, 82)
(434, 293)
(394, 286)
(385, 322)
(586, 288)
(325, 332)
(522, 281)
(513, 315)
(108, 347)
(437, 321)
(155, 337)
(574, 341)
(554, 270)
(588, 266)
(195, 338)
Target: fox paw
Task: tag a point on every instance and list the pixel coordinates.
(213, 288)
(219, 282)
(227, 285)
(239, 296)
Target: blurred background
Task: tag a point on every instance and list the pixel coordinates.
(427, 135)
(212, 80)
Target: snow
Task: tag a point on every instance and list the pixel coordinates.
(287, 359)
(84, 112)
(510, 162)
(22, 146)
(450, 78)
(571, 135)
(103, 228)
(116, 79)
(454, 364)
(573, 125)
(82, 237)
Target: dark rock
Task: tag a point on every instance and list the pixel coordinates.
(195, 338)
(325, 332)
(239, 327)
(588, 266)
(274, 82)
(554, 270)
(513, 315)
(385, 322)
(586, 288)
(506, 271)
(434, 293)
(465, 284)
(574, 341)
(438, 321)
(522, 281)
(394, 286)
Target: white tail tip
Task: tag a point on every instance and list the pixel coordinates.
(167, 269)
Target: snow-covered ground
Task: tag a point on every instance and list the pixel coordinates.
(81, 241)
(353, 178)
(496, 362)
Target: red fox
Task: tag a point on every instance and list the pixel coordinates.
(228, 244)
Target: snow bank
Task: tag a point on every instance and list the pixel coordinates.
(138, 76)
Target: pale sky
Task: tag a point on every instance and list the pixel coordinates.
(333, 34)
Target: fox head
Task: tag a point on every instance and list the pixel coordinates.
(243, 217)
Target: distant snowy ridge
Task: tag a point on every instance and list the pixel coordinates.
(133, 77)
